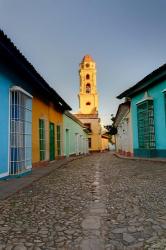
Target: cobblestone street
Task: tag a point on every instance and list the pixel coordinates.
(93, 203)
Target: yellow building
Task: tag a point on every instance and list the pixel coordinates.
(47, 131)
(88, 103)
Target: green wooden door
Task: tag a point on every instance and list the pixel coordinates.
(52, 142)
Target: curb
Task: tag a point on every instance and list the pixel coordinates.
(140, 158)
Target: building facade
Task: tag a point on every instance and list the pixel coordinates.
(123, 137)
(29, 106)
(47, 130)
(75, 136)
(88, 103)
(148, 111)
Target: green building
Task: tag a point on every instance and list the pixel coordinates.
(75, 135)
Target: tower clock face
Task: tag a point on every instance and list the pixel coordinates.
(87, 65)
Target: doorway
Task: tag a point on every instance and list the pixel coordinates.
(52, 142)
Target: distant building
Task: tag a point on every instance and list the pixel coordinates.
(88, 103)
(148, 112)
(123, 138)
(75, 135)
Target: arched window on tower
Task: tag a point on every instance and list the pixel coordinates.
(88, 88)
(87, 76)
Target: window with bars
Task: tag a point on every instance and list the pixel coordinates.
(42, 139)
(146, 129)
(20, 132)
(59, 140)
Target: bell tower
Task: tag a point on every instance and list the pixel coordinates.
(88, 96)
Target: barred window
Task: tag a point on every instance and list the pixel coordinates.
(20, 131)
(59, 140)
(42, 139)
(146, 129)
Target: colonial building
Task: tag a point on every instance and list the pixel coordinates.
(31, 110)
(88, 103)
(31, 117)
(148, 112)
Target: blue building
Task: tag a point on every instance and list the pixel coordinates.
(148, 112)
(19, 82)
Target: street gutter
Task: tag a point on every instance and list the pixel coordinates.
(161, 160)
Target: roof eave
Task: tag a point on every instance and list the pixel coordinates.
(154, 77)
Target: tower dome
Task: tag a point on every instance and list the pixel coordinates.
(87, 58)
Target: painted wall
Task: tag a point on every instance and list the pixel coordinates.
(74, 137)
(159, 117)
(104, 143)
(124, 136)
(96, 142)
(46, 111)
(8, 78)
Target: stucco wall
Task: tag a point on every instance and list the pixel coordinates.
(47, 112)
(73, 129)
(104, 143)
(96, 143)
(124, 136)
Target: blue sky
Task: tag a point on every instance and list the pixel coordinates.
(126, 38)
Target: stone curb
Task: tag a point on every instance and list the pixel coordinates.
(140, 158)
(31, 178)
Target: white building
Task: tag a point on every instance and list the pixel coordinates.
(123, 138)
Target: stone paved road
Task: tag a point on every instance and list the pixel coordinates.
(94, 203)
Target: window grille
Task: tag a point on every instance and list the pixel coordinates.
(20, 132)
(58, 140)
(42, 139)
(146, 129)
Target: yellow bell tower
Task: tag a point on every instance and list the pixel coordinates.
(88, 96)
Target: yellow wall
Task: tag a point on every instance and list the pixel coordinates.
(96, 143)
(105, 142)
(49, 114)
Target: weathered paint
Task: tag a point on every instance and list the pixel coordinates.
(159, 120)
(48, 112)
(74, 136)
(124, 135)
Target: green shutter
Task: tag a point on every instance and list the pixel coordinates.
(59, 140)
(52, 142)
(146, 129)
(42, 139)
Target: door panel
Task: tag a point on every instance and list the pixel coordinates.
(52, 142)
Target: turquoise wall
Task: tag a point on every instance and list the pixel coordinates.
(73, 128)
(8, 78)
(159, 117)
